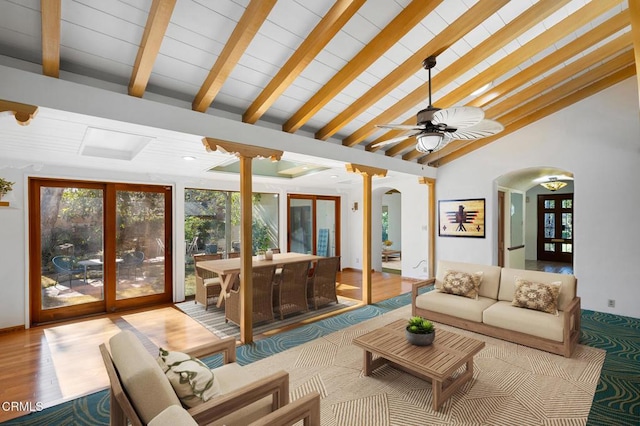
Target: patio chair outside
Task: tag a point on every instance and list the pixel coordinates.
(131, 262)
(66, 265)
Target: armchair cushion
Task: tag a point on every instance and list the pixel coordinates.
(191, 379)
(142, 378)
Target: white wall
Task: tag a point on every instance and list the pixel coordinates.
(598, 139)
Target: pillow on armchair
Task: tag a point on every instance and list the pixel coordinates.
(190, 378)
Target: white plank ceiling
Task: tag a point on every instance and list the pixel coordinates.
(524, 48)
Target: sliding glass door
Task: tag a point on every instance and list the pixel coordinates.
(313, 224)
(94, 247)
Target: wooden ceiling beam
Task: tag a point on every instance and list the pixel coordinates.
(410, 16)
(568, 51)
(570, 24)
(317, 39)
(617, 46)
(634, 12)
(502, 37)
(51, 12)
(441, 42)
(252, 19)
(154, 31)
(434, 160)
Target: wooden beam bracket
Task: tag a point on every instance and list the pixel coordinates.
(22, 112)
(242, 150)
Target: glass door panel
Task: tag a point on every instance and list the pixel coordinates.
(301, 226)
(555, 234)
(325, 228)
(140, 223)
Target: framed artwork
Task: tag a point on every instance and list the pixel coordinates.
(461, 218)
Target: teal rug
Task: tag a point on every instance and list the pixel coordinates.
(616, 402)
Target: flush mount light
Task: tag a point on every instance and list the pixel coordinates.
(188, 158)
(553, 184)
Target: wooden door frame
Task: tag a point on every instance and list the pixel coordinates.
(501, 227)
(314, 199)
(109, 302)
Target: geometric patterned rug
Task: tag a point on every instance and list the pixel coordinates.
(512, 384)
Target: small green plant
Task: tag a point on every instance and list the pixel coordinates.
(419, 325)
(5, 186)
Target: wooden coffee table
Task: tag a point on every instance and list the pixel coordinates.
(435, 363)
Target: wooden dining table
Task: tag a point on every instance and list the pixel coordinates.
(229, 269)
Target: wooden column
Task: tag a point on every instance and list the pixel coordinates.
(634, 12)
(245, 153)
(367, 174)
(431, 183)
(22, 112)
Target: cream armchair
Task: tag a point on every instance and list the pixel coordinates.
(142, 394)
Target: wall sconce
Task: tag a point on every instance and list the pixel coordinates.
(355, 207)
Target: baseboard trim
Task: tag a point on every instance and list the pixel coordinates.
(12, 329)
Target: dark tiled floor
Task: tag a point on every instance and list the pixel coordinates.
(540, 265)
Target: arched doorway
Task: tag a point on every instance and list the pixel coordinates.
(535, 229)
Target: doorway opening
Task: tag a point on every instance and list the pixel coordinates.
(391, 219)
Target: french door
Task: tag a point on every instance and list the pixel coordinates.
(313, 224)
(555, 227)
(97, 247)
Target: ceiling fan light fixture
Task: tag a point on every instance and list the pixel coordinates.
(553, 184)
(428, 142)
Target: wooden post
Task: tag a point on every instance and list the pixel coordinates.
(431, 183)
(246, 154)
(367, 173)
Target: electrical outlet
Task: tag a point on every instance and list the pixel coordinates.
(425, 269)
(611, 303)
(357, 260)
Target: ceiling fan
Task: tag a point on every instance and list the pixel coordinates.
(437, 127)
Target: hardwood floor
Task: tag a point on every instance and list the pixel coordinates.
(47, 365)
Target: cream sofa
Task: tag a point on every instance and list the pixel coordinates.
(493, 314)
(142, 394)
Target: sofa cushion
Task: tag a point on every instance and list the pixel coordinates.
(508, 279)
(462, 283)
(190, 378)
(527, 321)
(538, 296)
(231, 377)
(461, 307)
(148, 388)
(490, 276)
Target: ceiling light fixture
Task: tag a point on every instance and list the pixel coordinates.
(553, 184)
(188, 158)
(427, 142)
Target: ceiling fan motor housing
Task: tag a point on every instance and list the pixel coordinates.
(425, 116)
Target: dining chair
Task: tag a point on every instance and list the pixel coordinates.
(321, 287)
(262, 280)
(233, 254)
(208, 284)
(290, 290)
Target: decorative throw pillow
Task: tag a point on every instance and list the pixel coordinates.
(191, 379)
(539, 296)
(462, 283)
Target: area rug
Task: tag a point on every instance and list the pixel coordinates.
(213, 318)
(512, 384)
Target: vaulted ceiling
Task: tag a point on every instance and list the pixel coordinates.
(336, 69)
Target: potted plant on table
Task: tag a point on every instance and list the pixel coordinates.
(420, 331)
